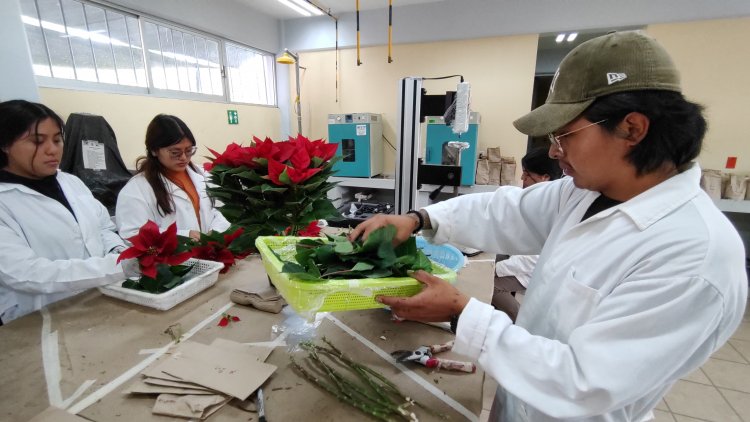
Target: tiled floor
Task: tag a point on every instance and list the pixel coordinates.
(717, 392)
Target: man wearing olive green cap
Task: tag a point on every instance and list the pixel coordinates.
(640, 277)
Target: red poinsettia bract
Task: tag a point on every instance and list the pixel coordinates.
(282, 174)
(219, 251)
(152, 247)
(312, 230)
(226, 319)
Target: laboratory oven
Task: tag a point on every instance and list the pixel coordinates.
(360, 139)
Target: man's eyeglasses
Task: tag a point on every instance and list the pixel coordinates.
(177, 153)
(555, 139)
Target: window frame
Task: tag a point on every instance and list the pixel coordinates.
(150, 89)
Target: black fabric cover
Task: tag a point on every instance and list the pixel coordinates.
(104, 184)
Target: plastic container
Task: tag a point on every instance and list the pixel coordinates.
(309, 297)
(202, 276)
(445, 254)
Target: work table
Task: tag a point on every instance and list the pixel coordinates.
(83, 352)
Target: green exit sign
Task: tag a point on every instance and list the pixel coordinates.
(232, 117)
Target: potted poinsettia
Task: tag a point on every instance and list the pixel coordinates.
(159, 256)
(274, 188)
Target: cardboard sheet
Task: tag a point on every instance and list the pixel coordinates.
(141, 387)
(261, 352)
(175, 384)
(235, 378)
(234, 373)
(189, 406)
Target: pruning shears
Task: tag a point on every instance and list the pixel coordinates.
(424, 356)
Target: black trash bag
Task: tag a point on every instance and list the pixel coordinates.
(91, 135)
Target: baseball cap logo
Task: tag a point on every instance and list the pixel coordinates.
(615, 77)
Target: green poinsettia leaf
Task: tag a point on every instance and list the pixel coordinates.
(181, 270)
(378, 237)
(170, 284)
(324, 209)
(272, 188)
(312, 268)
(422, 262)
(343, 247)
(380, 273)
(219, 193)
(325, 254)
(293, 268)
(131, 284)
(362, 266)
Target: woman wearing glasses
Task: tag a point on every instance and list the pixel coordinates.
(168, 187)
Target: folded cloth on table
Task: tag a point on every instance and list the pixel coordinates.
(268, 299)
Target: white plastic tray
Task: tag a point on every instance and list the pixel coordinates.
(202, 276)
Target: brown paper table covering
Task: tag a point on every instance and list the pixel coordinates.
(104, 339)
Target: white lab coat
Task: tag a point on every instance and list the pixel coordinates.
(46, 254)
(518, 266)
(136, 204)
(620, 306)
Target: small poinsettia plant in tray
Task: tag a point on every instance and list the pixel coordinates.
(160, 257)
(338, 257)
(225, 247)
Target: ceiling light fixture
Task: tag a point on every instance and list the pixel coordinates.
(572, 36)
(308, 6)
(296, 8)
(560, 38)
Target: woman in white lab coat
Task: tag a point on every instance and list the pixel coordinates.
(168, 187)
(56, 239)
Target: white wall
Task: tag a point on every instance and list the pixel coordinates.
(129, 116)
(501, 86)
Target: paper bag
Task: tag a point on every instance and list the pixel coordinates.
(711, 183)
(493, 154)
(736, 188)
(483, 172)
(508, 171)
(495, 170)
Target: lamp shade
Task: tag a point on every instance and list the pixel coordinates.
(286, 58)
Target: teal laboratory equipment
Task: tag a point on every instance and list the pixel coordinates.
(438, 152)
(359, 136)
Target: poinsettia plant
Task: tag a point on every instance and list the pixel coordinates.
(159, 257)
(274, 188)
(224, 247)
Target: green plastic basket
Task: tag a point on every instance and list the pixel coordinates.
(308, 297)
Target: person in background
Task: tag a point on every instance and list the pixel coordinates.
(640, 278)
(168, 187)
(512, 274)
(56, 239)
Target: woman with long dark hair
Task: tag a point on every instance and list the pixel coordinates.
(56, 239)
(168, 187)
